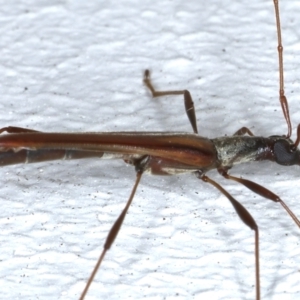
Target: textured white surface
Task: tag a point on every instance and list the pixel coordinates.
(74, 66)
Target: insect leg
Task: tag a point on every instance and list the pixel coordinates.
(244, 131)
(247, 219)
(140, 167)
(260, 190)
(188, 102)
(282, 98)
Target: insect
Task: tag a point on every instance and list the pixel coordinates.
(18, 152)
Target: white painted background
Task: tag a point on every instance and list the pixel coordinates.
(82, 65)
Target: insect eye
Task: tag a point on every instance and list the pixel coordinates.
(284, 155)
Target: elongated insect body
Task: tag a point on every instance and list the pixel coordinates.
(177, 151)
